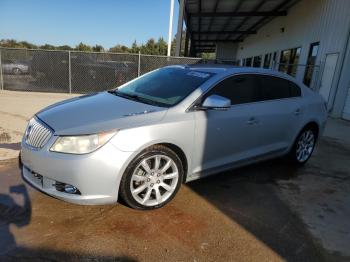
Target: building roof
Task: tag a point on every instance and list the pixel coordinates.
(212, 21)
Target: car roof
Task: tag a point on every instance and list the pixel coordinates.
(224, 70)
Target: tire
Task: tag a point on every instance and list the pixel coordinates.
(144, 186)
(303, 146)
(16, 71)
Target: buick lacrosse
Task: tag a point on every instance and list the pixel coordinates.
(141, 141)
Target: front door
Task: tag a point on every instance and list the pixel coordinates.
(223, 137)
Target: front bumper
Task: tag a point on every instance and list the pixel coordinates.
(96, 175)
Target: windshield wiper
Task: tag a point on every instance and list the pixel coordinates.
(134, 97)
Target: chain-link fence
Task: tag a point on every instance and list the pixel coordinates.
(84, 72)
(73, 71)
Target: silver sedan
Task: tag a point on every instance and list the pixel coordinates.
(176, 124)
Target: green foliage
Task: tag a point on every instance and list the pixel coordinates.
(64, 47)
(151, 47)
(11, 43)
(119, 49)
(208, 55)
(83, 47)
(47, 46)
(98, 48)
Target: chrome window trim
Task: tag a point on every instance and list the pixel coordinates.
(192, 106)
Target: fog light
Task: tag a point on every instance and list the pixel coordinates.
(70, 189)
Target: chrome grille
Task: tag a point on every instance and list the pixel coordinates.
(37, 134)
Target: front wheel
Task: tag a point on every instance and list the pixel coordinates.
(303, 146)
(152, 178)
(16, 71)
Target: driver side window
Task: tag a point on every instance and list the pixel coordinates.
(239, 89)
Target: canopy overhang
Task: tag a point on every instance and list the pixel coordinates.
(209, 22)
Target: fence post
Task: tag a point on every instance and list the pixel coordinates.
(139, 65)
(70, 73)
(1, 78)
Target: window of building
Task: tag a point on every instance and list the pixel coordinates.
(311, 61)
(257, 61)
(289, 61)
(240, 89)
(274, 60)
(267, 60)
(277, 88)
(248, 61)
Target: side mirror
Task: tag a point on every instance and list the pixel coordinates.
(216, 102)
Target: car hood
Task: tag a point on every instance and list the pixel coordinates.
(98, 112)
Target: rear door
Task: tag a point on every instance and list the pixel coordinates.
(280, 113)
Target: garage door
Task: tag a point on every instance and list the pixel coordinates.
(346, 112)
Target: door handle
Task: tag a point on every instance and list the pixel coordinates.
(297, 111)
(252, 121)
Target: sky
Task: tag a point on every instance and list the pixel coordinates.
(103, 22)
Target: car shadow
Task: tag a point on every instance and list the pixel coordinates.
(42, 254)
(249, 196)
(13, 213)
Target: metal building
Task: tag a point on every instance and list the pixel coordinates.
(309, 39)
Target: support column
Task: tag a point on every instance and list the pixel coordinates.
(170, 33)
(179, 28)
(187, 40)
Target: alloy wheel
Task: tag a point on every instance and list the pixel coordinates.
(305, 146)
(154, 180)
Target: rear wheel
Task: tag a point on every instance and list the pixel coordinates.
(152, 179)
(303, 146)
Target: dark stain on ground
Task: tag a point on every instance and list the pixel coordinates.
(329, 210)
(4, 137)
(329, 191)
(13, 146)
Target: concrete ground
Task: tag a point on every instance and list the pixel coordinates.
(265, 212)
(16, 108)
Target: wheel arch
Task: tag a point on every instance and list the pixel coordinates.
(314, 126)
(180, 153)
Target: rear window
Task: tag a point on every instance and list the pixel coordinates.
(277, 88)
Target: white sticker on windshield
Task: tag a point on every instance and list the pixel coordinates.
(198, 74)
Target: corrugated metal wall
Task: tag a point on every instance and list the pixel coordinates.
(309, 21)
(346, 111)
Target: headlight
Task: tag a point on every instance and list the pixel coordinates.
(81, 144)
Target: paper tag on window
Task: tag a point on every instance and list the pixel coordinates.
(198, 74)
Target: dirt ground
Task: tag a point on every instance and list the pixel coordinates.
(265, 212)
(16, 108)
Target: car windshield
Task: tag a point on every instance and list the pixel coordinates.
(164, 87)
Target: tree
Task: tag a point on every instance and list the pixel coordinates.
(98, 48)
(162, 46)
(64, 47)
(134, 47)
(83, 47)
(208, 55)
(11, 43)
(47, 46)
(119, 49)
(151, 47)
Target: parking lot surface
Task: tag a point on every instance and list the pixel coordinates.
(257, 213)
(266, 212)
